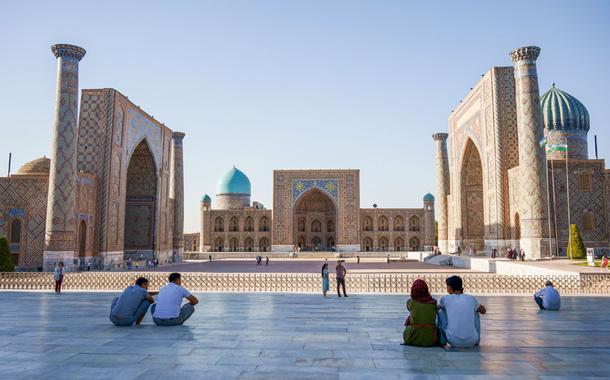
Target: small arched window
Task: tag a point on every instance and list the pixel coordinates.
(383, 244)
(414, 244)
(399, 244)
(330, 226)
(399, 224)
(414, 223)
(383, 223)
(249, 225)
(316, 226)
(234, 224)
(368, 223)
(301, 225)
(264, 224)
(219, 225)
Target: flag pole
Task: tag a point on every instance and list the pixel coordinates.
(568, 199)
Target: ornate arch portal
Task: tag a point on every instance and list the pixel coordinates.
(473, 226)
(313, 213)
(140, 203)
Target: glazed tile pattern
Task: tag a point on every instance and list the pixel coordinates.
(285, 336)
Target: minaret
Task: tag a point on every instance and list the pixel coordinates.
(428, 222)
(60, 230)
(205, 206)
(442, 188)
(532, 177)
(177, 194)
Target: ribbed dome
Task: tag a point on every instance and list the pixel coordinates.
(40, 165)
(562, 111)
(233, 182)
(206, 198)
(428, 198)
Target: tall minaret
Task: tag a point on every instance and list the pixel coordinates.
(204, 207)
(177, 194)
(532, 177)
(442, 188)
(60, 230)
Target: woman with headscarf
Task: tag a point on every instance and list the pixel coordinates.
(325, 281)
(420, 326)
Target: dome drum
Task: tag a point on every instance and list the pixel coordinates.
(578, 146)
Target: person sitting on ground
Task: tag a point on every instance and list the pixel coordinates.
(420, 327)
(548, 297)
(458, 316)
(131, 306)
(167, 310)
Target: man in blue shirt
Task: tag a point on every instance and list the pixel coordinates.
(548, 297)
(131, 306)
(167, 311)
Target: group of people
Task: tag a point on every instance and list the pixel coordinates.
(340, 273)
(454, 321)
(167, 310)
(149, 263)
(259, 260)
(513, 254)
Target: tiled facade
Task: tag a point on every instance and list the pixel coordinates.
(313, 210)
(497, 197)
(123, 162)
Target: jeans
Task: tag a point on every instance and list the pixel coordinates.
(441, 323)
(539, 302)
(185, 313)
(130, 319)
(340, 283)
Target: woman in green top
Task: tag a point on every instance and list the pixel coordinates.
(420, 326)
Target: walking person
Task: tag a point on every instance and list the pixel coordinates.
(420, 326)
(604, 264)
(522, 254)
(266, 260)
(58, 276)
(325, 279)
(340, 273)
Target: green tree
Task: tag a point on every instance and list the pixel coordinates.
(576, 248)
(435, 233)
(6, 264)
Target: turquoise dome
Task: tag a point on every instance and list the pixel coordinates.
(428, 198)
(561, 111)
(233, 182)
(206, 198)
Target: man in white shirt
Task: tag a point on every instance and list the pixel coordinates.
(458, 316)
(167, 310)
(548, 298)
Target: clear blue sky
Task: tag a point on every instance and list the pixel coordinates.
(284, 84)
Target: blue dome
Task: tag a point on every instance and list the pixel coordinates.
(561, 111)
(428, 198)
(206, 198)
(233, 182)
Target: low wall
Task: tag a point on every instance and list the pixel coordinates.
(309, 282)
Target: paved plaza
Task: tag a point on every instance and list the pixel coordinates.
(378, 265)
(281, 336)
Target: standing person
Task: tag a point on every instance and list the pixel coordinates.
(167, 310)
(58, 276)
(604, 264)
(458, 316)
(131, 306)
(420, 327)
(340, 274)
(266, 260)
(325, 279)
(493, 253)
(548, 298)
(522, 254)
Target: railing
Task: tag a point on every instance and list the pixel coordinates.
(310, 282)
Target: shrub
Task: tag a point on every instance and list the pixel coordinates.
(6, 263)
(576, 248)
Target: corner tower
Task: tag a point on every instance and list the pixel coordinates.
(60, 229)
(532, 166)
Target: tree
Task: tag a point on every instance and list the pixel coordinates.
(435, 233)
(576, 248)
(6, 264)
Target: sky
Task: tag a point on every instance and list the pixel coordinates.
(267, 85)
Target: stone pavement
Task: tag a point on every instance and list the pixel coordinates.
(292, 336)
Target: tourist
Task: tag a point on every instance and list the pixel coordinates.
(266, 260)
(493, 253)
(420, 327)
(522, 254)
(58, 276)
(325, 279)
(458, 316)
(167, 311)
(131, 306)
(604, 264)
(340, 274)
(548, 298)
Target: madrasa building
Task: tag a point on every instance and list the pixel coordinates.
(503, 181)
(313, 210)
(112, 189)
